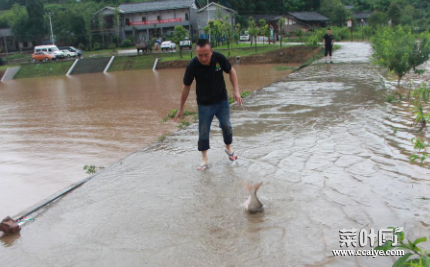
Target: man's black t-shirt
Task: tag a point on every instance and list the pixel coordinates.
(328, 40)
(210, 79)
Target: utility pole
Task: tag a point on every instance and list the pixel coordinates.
(50, 23)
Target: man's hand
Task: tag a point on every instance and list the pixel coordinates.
(238, 98)
(179, 115)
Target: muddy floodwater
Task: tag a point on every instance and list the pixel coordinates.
(321, 140)
(50, 128)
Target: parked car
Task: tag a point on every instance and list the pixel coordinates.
(69, 54)
(72, 49)
(42, 56)
(51, 49)
(168, 45)
(244, 36)
(185, 44)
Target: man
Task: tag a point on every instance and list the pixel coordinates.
(207, 68)
(328, 45)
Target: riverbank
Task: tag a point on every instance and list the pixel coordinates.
(265, 55)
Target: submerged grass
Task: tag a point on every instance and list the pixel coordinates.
(44, 69)
(282, 68)
(243, 95)
(172, 114)
(163, 137)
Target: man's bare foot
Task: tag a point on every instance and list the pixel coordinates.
(202, 167)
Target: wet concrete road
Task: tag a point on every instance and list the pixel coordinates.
(321, 141)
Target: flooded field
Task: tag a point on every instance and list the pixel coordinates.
(50, 128)
(321, 140)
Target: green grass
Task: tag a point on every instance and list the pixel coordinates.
(5, 67)
(243, 95)
(234, 52)
(17, 56)
(244, 45)
(43, 69)
(163, 137)
(132, 62)
(282, 68)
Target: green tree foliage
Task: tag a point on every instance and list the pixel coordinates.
(378, 19)
(335, 11)
(395, 13)
(179, 35)
(228, 32)
(253, 31)
(36, 26)
(400, 51)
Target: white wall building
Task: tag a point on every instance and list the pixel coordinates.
(153, 19)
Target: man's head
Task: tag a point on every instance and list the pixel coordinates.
(204, 51)
(328, 31)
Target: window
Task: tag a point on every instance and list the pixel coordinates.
(127, 21)
(25, 44)
(158, 17)
(144, 19)
(186, 16)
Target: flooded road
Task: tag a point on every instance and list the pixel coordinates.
(51, 127)
(321, 141)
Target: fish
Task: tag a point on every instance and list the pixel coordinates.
(253, 204)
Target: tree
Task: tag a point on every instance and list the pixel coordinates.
(311, 5)
(264, 28)
(253, 31)
(179, 34)
(293, 5)
(36, 26)
(335, 11)
(228, 32)
(17, 19)
(281, 25)
(236, 33)
(400, 51)
(407, 15)
(378, 19)
(394, 13)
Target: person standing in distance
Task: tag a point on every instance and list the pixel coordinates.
(328, 45)
(207, 69)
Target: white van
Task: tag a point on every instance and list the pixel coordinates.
(244, 36)
(51, 49)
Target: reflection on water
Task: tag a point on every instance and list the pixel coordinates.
(51, 127)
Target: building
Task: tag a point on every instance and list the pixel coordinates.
(362, 18)
(8, 42)
(304, 21)
(150, 19)
(271, 19)
(214, 11)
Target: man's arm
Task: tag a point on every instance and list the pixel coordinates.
(236, 91)
(184, 96)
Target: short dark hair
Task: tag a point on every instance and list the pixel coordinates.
(328, 29)
(203, 42)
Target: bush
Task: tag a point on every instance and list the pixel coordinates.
(96, 46)
(132, 39)
(126, 43)
(112, 46)
(81, 46)
(400, 51)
